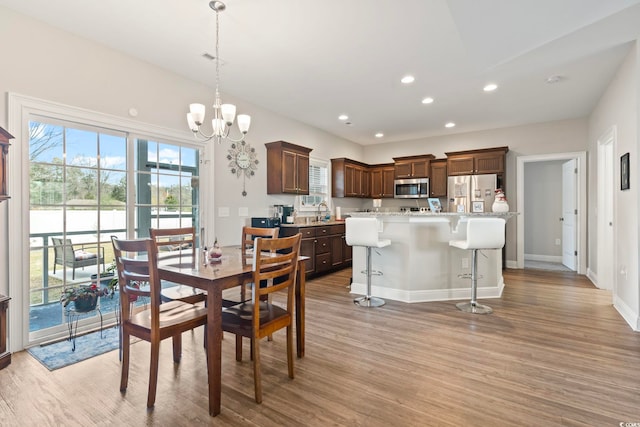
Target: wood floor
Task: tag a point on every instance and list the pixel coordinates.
(554, 352)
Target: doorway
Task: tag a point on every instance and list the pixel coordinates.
(605, 208)
(575, 240)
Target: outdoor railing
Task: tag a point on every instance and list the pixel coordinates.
(46, 246)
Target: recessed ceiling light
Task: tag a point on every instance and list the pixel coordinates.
(408, 79)
(490, 87)
(554, 79)
(379, 135)
(343, 117)
(427, 100)
(450, 125)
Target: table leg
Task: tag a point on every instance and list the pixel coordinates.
(300, 296)
(214, 349)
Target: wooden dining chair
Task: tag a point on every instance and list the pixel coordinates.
(177, 246)
(137, 263)
(274, 261)
(248, 236)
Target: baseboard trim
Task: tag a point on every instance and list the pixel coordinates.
(543, 258)
(429, 295)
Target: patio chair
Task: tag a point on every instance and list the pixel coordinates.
(67, 256)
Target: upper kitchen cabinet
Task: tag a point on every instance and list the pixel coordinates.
(475, 162)
(382, 177)
(349, 178)
(287, 168)
(412, 166)
(438, 178)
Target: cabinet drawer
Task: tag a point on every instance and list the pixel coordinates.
(323, 231)
(336, 229)
(323, 262)
(322, 245)
(308, 232)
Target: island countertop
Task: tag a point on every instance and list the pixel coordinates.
(420, 265)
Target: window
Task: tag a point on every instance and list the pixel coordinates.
(318, 186)
(78, 172)
(84, 186)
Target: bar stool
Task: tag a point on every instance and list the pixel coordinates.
(482, 233)
(364, 232)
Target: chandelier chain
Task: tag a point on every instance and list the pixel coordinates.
(217, 58)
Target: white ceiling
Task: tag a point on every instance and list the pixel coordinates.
(313, 60)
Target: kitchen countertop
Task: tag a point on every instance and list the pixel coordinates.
(408, 214)
(313, 224)
(434, 214)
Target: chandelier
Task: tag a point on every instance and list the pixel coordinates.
(223, 114)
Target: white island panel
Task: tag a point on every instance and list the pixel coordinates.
(420, 266)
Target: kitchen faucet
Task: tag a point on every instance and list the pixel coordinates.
(326, 209)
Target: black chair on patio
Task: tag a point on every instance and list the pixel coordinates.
(67, 256)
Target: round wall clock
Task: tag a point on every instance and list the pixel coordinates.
(243, 162)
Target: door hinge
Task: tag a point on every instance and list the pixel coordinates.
(575, 253)
(575, 211)
(575, 170)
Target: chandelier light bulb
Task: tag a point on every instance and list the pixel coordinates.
(244, 121)
(228, 113)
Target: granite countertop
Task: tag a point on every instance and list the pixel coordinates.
(313, 224)
(434, 214)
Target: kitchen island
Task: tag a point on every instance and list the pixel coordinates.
(420, 266)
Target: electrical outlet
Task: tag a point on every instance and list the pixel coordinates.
(465, 262)
(558, 242)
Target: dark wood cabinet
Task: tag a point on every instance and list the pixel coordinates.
(4, 150)
(5, 356)
(287, 168)
(382, 177)
(324, 245)
(438, 178)
(475, 162)
(349, 178)
(412, 166)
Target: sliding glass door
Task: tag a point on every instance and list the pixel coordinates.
(86, 184)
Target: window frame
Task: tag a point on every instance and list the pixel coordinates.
(301, 206)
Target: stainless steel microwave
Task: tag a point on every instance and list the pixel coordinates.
(412, 188)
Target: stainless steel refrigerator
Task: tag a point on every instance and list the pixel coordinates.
(471, 193)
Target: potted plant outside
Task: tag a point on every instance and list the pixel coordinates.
(84, 298)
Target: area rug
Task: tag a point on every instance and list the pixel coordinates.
(58, 355)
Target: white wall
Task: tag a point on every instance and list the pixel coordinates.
(539, 138)
(619, 107)
(57, 66)
(46, 63)
(543, 208)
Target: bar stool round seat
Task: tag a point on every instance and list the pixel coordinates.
(482, 234)
(364, 232)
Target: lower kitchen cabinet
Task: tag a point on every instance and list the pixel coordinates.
(325, 246)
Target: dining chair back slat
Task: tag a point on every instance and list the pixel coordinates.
(177, 246)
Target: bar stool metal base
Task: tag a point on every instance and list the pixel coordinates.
(474, 307)
(369, 301)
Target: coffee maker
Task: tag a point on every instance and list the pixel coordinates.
(284, 212)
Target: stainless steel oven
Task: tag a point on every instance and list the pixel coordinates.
(412, 188)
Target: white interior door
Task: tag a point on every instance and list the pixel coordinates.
(606, 190)
(569, 212)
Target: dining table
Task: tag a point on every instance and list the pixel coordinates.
(234, 268)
